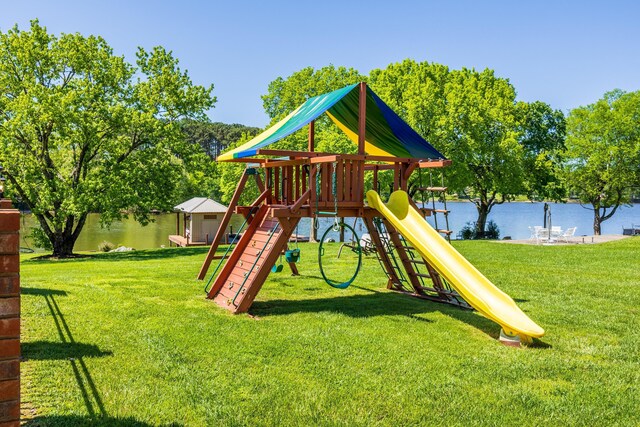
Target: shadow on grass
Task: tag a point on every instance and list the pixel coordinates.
(74, 352)
(47, 350)
(42, 292)
(537, 343)
(141, 255)
(80, 421)
(371, 305)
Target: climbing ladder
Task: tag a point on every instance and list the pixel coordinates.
(406, 270)
(440, 192)
(248, 266)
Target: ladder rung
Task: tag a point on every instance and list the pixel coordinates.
(445, 231)
(440, 291)
(417, 261)
(444, 211)
(421, 275)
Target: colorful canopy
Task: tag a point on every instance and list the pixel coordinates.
(386, 133)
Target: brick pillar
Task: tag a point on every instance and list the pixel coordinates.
(9, 315)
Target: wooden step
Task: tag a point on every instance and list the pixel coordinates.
(447, 232)
(443, 211)
(417, 261)
(421, 275)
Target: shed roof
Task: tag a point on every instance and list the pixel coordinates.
(200, 205)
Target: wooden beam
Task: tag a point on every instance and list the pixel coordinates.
(223, 226)
(261, 197)
(259, 182)
(435, 163)
(362, 117)
(278, 163)
(312, 136)
(409, 170)
(301, 201)
(309, 211)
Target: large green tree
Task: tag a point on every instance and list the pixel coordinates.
(202, 174)
(603, 153)
(500, 148)
(82, 130)
(215, 137)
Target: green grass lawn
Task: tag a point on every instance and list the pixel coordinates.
(129, 339)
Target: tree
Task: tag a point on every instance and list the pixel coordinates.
(603, 153)
(202, 174)
(81, 130)
(472, 117)
(215, 137)
(542, 133)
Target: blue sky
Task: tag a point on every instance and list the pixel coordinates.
(564, 53)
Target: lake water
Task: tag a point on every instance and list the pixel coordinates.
(513, 219)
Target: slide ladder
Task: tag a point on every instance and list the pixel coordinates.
(453, 268)
(415, 274)
(249, 264)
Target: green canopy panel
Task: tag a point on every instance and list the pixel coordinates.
(386, 133)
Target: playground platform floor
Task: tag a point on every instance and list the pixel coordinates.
(586, 239)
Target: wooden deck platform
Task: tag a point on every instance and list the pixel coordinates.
(182, 241)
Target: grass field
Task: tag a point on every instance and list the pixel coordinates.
(129, 339)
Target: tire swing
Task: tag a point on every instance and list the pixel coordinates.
(337, 283)
(336, 227)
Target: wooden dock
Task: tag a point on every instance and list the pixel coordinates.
(182, 241)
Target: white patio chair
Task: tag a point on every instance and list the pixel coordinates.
(555, 233)
(568, 234)
(536, 233)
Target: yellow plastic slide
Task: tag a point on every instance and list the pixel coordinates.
(476, 289)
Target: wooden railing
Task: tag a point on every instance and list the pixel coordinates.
(321, 182)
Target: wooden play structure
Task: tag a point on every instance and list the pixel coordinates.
(299, 184)
(417, 259)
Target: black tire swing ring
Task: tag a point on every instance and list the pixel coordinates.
(334, 283)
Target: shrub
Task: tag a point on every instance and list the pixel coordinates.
(40, 239)
(468, 232)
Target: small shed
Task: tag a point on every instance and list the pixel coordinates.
(201, 218)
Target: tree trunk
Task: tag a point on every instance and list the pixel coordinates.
(63, 245)
(597, 221)
(63, 240)
(481, 223)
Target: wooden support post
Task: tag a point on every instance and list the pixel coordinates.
(177, 223)
(362, 117)
(375, 179)
(223, 226)
(312, 136)
(184, 221)
(259, 182)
